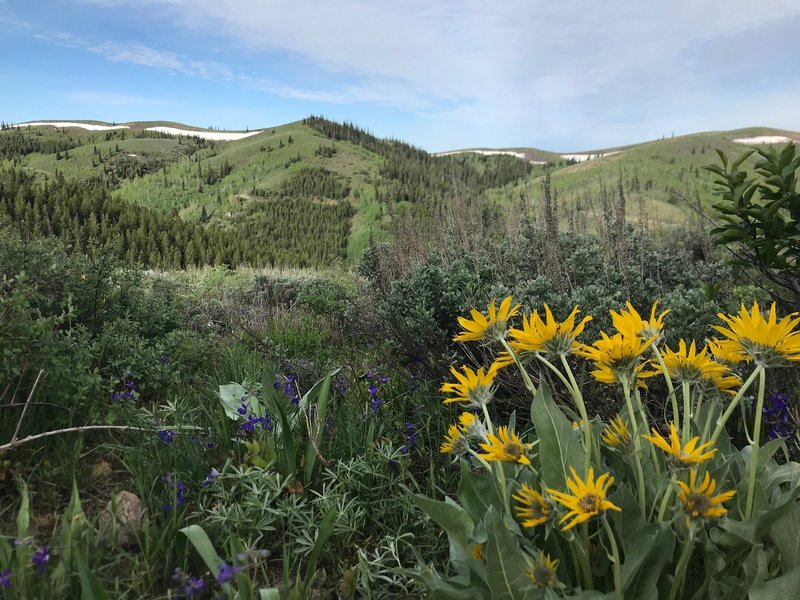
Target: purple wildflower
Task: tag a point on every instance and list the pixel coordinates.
(212, 475)
(383, 378)
(227, 572)
(376, 404)
(163, 359)
(242, 410)
(165, 435)
(193, 585)
(777, 416)
(40, 559)
(177, 490)
(5, 578)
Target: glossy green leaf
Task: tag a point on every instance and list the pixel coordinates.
(785, 587)
(505, 564)
(559, 445)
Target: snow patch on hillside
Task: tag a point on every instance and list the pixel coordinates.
(585, 157)
(763, 139)
(221, 136)
(88, 126)
(492, 153)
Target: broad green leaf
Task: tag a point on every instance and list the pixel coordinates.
(199, 539)
(457, 588)
(505, 564)
(325, 531)
(785, 534)
(230, 396)
(24, 513)
(559, 445)
(449, 516)
(784, 587)
(648, 551)
(269, 594)
(91, 589)
(476, 492)
(320, 392)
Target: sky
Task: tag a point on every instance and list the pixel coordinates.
(440, 74)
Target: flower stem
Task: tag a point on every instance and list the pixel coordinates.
(637, 444)
(723, 418)
(524, 373)
(687, 411)
(751, 476)
(672, 397)
(615, 560)
(666, 498)
(680, 570)
(588, 580)
(578, 397)
(653, 456)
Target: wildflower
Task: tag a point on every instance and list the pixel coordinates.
(212, 475)
(550, 336)
(193, 586)
(454, 442)
(777, 416)
(165, 435)
(533, 507)
(250, 424)
(227, 572)
(375, 404)
(383, 378)
(163, 359)
(472, 426)
(411, 438)
(617, 358)
(768, 342)
(588, 499)
(698, 500)
(477, 552)
(682, 456)
(40, 558)
(176, 490)
(630, 323)
(543, 571)
(83, 278)
(616, 434)
(474, 388)
(242, 410)
(505, 447)
(686, 365)
(489, 327)
(5, 578)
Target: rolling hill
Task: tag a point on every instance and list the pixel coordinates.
(315, 184)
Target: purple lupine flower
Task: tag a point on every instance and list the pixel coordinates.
(376, 404)
(165, 435)
(250, 425)
(373, 390)
(177, 490)
(383, 378)
(212, 475)
(40, 559)
(777, 416)
(227, 572)
(193, 585)
(369, 375)
(5, 578)
(242, 410)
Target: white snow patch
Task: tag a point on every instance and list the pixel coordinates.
(493, 152)
(132, 155)
(88, 126)
(763, 139)
(585, 157)
(207, 135)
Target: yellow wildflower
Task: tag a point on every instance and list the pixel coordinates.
(489, 327)
(699, 501)
(617, 358)
(533, 508)
(543, 572)
(588, 499)
(616, 434)
(687, 365)
(505, 447)
(454, 442)
(682, 455)
(477, 551)
(474, 388)
(768, 342)
(549, 336)
(630, 323)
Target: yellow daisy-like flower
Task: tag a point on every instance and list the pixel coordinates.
(489, 327)
(474, 388)
(768, 342)
(454, 442)
(689, 454)
(477, 551)
(588, 499)
(630, 323)
(471, 426)
(616, 434)
(543, 571)
(617, 357)
(533, 508)
(505, 447)
(687, 365)
(548, 336)
(699, 501)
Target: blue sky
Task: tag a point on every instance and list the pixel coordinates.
(564, 76)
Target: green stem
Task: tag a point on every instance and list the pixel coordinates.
(587, 430)
(500, 478)
(558, 373)
(686, 553)
(637, 444)
(673, 399)
(486, 416)
(723, 418)
(615, 559)
(687, 411)
(751, 478)
(522, 371)
(666, 498)
(653, 455)
(707, 426)
(588, 580)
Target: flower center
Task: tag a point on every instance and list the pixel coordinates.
(590, 503)
(543, 575)
(697, 504)
(514, 450)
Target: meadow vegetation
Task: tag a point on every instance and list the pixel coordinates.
(515, 407)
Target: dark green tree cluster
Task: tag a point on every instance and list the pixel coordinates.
(86, 217)
(17, 142)
(314, 182)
